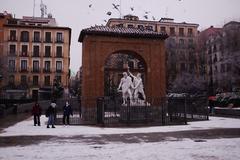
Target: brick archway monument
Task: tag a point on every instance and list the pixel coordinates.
(99, 42)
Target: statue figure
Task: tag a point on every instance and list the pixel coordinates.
(138, 87)
(126, 85)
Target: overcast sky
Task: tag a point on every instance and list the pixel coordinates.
(77, 14)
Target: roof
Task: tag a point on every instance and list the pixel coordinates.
(121, 32)
(36, 26)
(149, 22)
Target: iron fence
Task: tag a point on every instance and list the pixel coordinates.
(110, 111)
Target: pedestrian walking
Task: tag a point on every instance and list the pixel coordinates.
(50, 113)
(67, 111)
(36, 112)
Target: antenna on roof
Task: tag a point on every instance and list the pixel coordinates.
(33, 8)
(120, 8)
(166, 12)
(43, 9)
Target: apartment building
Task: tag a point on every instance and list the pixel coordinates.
(222, 53)
(36, 53)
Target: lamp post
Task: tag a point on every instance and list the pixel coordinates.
(1, 84)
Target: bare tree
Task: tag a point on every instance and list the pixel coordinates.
(188, 83)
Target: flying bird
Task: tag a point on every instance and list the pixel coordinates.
(115, 6)
(146, 12)
(131, 8)
(145, 16)
(105, 20)
(109, 13)
(90, 5)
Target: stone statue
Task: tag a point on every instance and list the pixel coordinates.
(138, 88)
(126, 85)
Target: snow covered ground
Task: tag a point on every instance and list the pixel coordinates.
(71, 149)
(26, 128)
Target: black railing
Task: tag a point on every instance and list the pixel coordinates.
(110, 111)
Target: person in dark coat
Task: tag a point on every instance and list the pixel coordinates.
(50, 113)
(67, 111)
(36, 112)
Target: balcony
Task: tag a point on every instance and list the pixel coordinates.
(36, 55)
(59, 41)
(36, 40)
(24, 40)
(46, 70)
(12, 70)
(59, 56)
(12, 38)
(48, 41)
(59, 70)
(12, 53)
(24, 54)
(47, 56)
(36, 70)
(23, 70)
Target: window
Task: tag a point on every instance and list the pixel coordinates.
(130, 26)
(47, 51)
(182, 56)
(12, 49)
(183, 67)
(47, 66)
(222, 68)
(11, 65)
(229, 67)
(23, 79)
(48, 37)
(35, 51)
(214, 48)
(181, 42)
(140, 27)
(59, 66)
(35, 80)
(163, 29)
(47, 80)
(36, 37)
(191, 56)
(25, 36)
(216, 69)
(190, 32)
(11, 79)
(181, 31)
(191, 67)
(215, 58)
(35, 66)
(59, 37)
(150, 28)
(24, 50)
(190, 42)
(59, 51)
(173, 67)
(119, 25)
(172, 31)
(13, 35)
(23, 65)
(58, 78)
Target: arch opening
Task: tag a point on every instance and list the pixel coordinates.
(119, 62)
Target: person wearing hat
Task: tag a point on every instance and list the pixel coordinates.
(50, 113)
